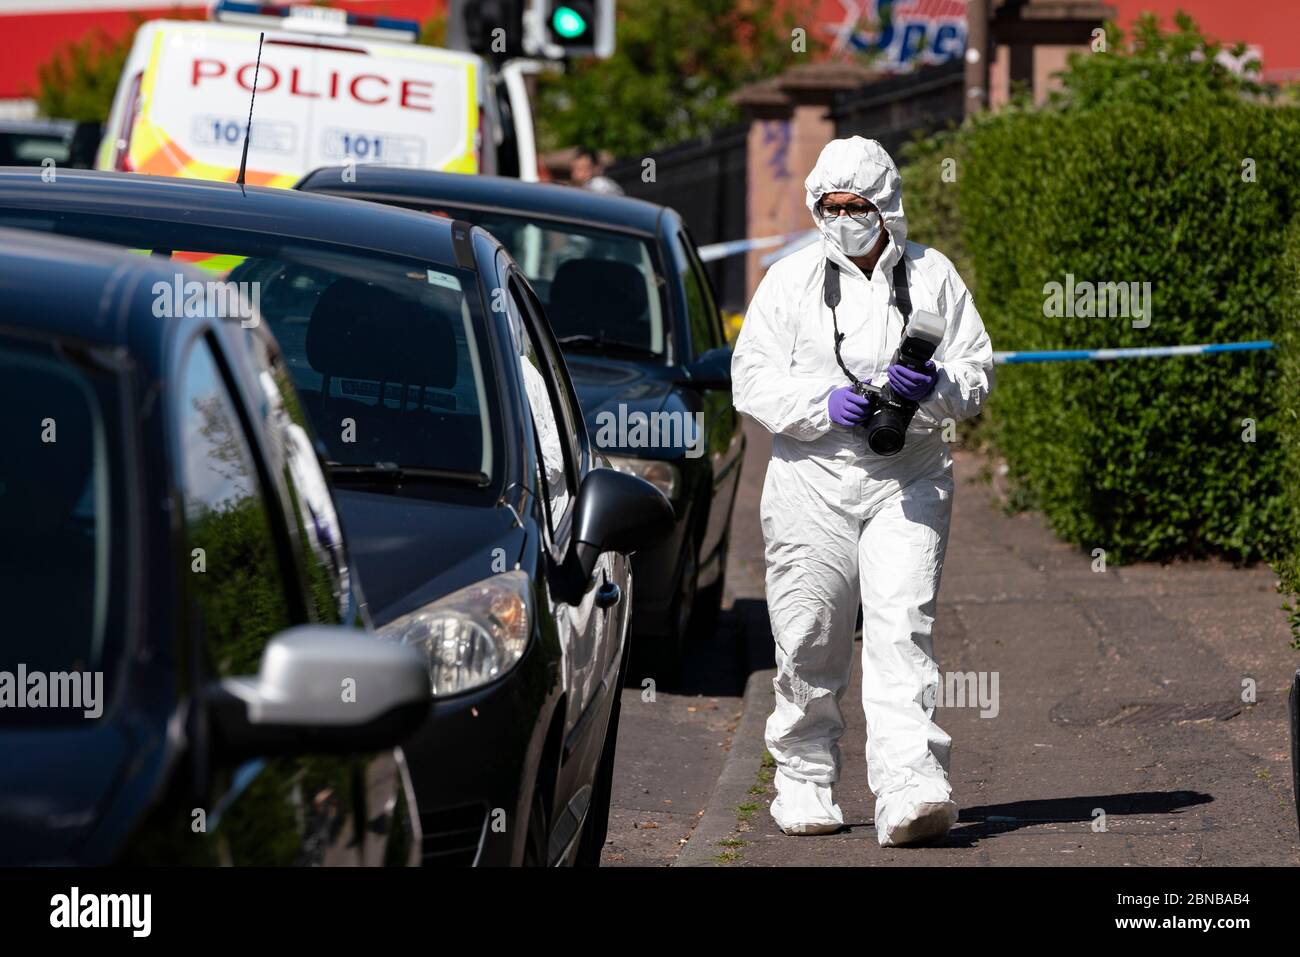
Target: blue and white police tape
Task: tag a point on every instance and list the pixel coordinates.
(737, 246)
(1147, 352)
(792, 242)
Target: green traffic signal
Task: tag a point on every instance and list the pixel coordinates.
(568, 23)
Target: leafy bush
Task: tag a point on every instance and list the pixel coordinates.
(930, 169)
(670, 78)
(1288, 307)
(1191, 190)
(78, 82)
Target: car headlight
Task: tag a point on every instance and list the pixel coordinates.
(662, 475)
(471, 637)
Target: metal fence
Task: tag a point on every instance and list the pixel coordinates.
(704, 180)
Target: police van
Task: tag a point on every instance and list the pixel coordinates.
(332, 88)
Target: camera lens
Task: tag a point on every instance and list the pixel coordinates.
(885, 439)
(887, 428)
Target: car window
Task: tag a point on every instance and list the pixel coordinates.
(602, 290)
(31, 149)
(62, 521)
(385, 359)
(548, 415)
(566, 400)
(316, 521)
(235, 569)
(702, 312)
(384, 351)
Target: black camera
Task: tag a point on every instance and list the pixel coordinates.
(889, 415)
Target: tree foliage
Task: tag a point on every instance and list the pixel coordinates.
(670, 79)
(78, 81)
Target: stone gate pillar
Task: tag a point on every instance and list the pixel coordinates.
(789, 123)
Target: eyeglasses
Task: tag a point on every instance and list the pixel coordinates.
(857, 211)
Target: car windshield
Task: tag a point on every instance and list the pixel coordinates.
(62, 508)
(384, 352)
(603, 290)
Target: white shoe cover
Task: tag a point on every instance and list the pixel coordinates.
(927, 821)
(802, 807)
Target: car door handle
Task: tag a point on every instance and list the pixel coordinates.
(608, 595)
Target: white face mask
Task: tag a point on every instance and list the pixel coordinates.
(854, 238)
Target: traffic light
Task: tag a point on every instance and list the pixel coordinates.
(576, 28)
(571, 23)
(490, 28)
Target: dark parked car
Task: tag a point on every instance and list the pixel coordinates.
(487, 533)
(635, 314)
(64, 143)
(180, 607)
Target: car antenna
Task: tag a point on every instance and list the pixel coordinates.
(248, 130)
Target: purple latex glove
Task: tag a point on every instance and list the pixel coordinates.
(910, 385)
(846, 407)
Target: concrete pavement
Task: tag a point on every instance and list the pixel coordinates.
(1125, 730)
(673, 745)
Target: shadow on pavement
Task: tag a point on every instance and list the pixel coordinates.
(721, 663)
(985, 820)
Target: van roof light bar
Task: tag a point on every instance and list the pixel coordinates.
(321, 21)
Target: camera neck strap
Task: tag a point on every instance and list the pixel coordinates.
(831, 296)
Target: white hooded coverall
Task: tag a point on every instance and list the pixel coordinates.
(839, 521)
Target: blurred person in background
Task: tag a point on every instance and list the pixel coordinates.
(587, 172)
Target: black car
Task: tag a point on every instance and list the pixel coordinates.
(49, 143)
(636, 317)
(180, 607)
(479, 517)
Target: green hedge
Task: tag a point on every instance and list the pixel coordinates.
(1143, 458)
(1287, 562)
(930, 197)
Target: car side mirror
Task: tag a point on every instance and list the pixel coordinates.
(615, 512)
(712, 370)
(322, 689)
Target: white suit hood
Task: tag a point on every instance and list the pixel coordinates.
(861, 166)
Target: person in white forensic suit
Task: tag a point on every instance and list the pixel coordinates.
(842, 524)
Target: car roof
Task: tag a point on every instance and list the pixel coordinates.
(284, 213)
(543, 199)
(76, 289)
